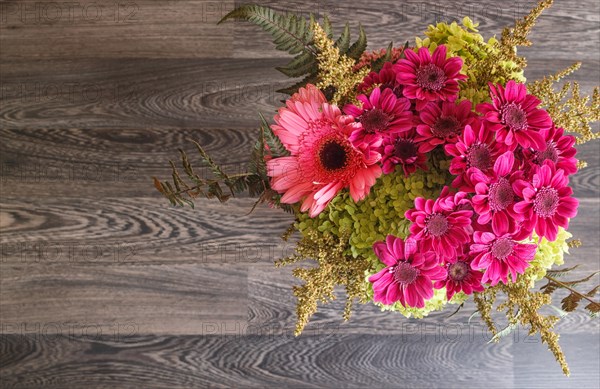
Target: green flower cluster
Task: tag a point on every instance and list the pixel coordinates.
(466, 42)
(548, 254)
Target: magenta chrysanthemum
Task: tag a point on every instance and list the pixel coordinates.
(442, 123)
(323, 160)
(559, 149)
(495, 198)
(402, 150)
(547, 203)
(409, 275)
(427, 77)
(441, 225)
(515, 116)
(499, 254)
(382, 113)
(475, 148)
(460, 276)
(386, 79)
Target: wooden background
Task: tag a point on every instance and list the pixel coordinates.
(104, 285)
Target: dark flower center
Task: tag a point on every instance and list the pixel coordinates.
(458, 271)
(501, 195)
(446, 126)
(375, 120)
(431, 77)
(502, 248)
(546, 202)
(551, 153)
(405, 149)
(333, 156)
(405, 273)
(514, 117)
(479, 156)
(437, 224)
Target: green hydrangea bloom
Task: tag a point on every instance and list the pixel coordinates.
(548, 254)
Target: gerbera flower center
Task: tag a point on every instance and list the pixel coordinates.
(431, 77)
(502, 248)
(501, 195)
(405, 149)
(479, 156)
(375, 120)
(405, 273)
(446, 126)
(437, 224)
(514, 117)
(550, 153)
(546, 202)
(458, 271)
(333, 155)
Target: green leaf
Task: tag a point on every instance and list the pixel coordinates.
(343, 42)
(358, 47)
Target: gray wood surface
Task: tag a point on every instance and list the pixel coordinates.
(102, 284)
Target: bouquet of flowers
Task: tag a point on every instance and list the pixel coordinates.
(419, 176)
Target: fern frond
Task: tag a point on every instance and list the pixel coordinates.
(359, 46)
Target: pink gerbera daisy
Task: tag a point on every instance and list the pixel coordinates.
(475, 148)
(386, 79)
(559, 149)
(494, 196)
(515, 116)
(381, 113)
(442, 123)
(429, 77)
(500, 253)
(547, 203)
(323, 160)
(403, 150)
(409, 275)
(443, 224)
(460, 276)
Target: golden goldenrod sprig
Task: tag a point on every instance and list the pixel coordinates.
(333, 268)
(336, 70)
(517, 35)
(568, 108)
(522, 306)
(528, 304)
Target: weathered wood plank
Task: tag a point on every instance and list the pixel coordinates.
(269, 360)
(103, 298)
(107, 29)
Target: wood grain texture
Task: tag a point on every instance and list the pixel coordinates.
(103, 285)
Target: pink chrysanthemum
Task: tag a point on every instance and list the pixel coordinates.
(559, 149)
(499, 254)
(323, 160)
(402, 150)
(515, 116)
(409, 274)
(441, 225)
(547, 203)
(460, 276)
(381, 113)
(475, 148)
(429, 77)
(442, 123)
(386, 79)
(494, 196)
